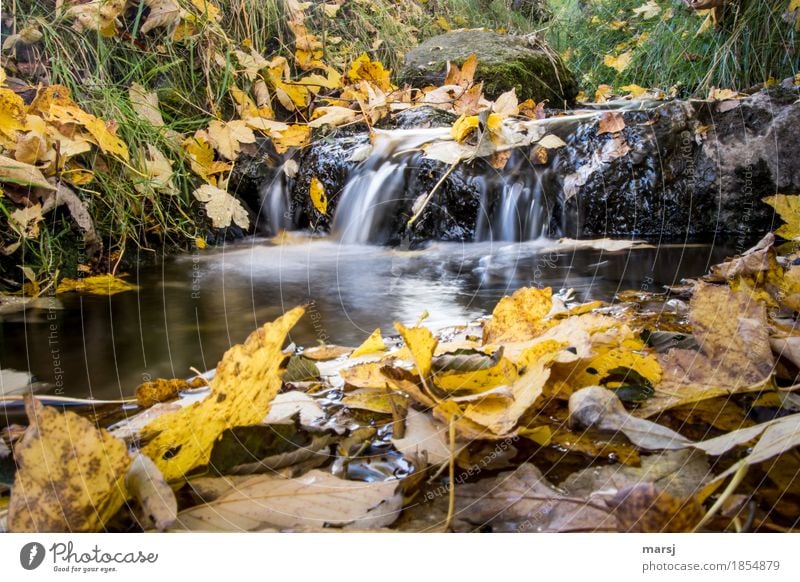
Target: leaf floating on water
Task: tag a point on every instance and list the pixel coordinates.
(53, 490)
(95, 285)
(318, 197)
(316, 500)
(246, 381)
(424, 436)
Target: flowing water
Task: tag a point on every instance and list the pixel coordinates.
(190, 309)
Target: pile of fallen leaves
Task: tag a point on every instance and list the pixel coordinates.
(671, 412)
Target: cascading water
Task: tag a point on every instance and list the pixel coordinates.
(380, 191)
(376, 187)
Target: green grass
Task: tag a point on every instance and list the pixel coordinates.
(751, 44)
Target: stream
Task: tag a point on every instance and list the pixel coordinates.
(190, 309)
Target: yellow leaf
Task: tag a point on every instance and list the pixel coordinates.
(200, 243)
(363, 69)
(207, 9)
(77, 175)
(227, 138)
(372, 345)
(315, 82)
(541, 435)
(375, 400)
(501, 374)
(297, 136)
(367, 375)
(319, 199)
(464, 75)
(70, 474)
(12, 113)
(308, 60)
(788, 208)
(603, 93)
(96, 285)
(620, 63)
(246, 381)
(421, 343)
(648, 10)
(31, 147)
(463, 127)
(201, 158)
(221, 207)
(159, 172)
(97, 128)
(519, 317)
(634, 90)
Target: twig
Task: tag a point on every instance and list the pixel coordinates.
(451, 504)
(431, 193)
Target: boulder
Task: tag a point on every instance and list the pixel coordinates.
(505, 62)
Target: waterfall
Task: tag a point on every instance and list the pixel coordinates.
(381, 186)
(377, 187)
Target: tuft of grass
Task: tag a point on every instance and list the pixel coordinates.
(753, 42)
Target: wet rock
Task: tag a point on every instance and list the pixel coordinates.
(695, 168)
(505, 61)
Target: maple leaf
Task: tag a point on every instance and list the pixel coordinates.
(227, 138)
(221, 207)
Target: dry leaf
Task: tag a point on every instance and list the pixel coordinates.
(221, 207)
(147, 485)
(70, 474)
(319, 199)
(372, 345)
(610, 122)
(317, 499)
(246, 381)
(227, 138)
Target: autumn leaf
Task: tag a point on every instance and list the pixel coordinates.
(464, 75)
(97, 128)
(318, 197)
(421, 343)
(53, 490)
(22, 174)
(648, 10)
(333, 116)
(316, 499)
(620, 62)
(145, 104)
(201, 159)
(363, 69)
(25, 221)
(97, 15)
(12, 113)
(163, 14)
(95, 285)
(519, 317)
(159, 172)
(296, 136)
(373, 344)
(246, 381)
(610, 122)
(788, 208)
(222, 208)
(227, 138)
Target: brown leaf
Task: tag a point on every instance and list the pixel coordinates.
(610, 122)
(70, 475)
(643, 508)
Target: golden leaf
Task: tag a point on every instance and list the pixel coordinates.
(95, 285)
(97, 128)
(246, 381)
(502, 373)
(367, 375)
(363, 69)
(373, 344)
(788, 208)
(421, 343)
(318, 197)
(464, 127)
(12, 113)
(201, 158)
(620, 62)
(297, 136)
(519, 317)
(378, 400)
(53, 490)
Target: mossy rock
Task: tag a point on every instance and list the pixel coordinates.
(505, 61)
